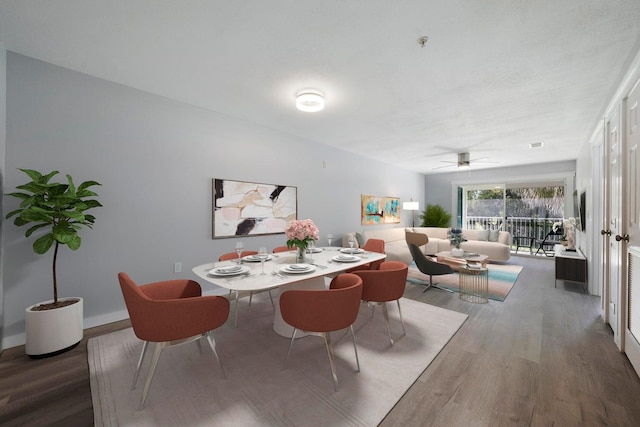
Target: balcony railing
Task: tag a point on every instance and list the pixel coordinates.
(535, 228)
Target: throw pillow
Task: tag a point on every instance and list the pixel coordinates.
(360, 238)
(493, 235)
(483, 235)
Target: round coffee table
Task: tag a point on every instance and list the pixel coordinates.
(445, 257)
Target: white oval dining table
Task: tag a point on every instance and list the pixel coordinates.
(324, 265)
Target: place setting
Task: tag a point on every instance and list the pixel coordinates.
(343, 257)
(257, 258)
(352, 251)
(229, 270)
(297, 269)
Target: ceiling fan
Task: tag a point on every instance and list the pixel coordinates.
(463, 163)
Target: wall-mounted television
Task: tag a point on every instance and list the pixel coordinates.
(582, 209)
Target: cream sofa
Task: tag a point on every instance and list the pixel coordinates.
(496, 245)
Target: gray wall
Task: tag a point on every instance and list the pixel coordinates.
(155, 159)
(439, 189)
(3, 128)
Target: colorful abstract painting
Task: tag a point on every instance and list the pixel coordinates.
(248, 209)
(380, 210)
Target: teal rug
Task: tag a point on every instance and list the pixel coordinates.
(501, 279)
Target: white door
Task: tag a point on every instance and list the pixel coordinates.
(632, 226)
(605, 232)
(615, 213)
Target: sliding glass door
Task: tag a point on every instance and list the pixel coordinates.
(526, 209)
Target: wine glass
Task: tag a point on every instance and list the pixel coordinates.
(239, 250)
(263, 255)
(329, 238)
(352, 242)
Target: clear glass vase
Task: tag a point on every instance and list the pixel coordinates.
(300, 255)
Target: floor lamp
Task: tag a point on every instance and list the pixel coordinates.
(411, 206)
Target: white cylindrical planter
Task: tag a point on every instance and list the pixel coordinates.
(51, 332)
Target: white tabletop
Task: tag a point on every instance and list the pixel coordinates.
(273, 278)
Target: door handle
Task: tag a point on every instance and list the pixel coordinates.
(605, 232)
(625, 238)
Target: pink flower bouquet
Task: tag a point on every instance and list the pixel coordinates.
(300, 233)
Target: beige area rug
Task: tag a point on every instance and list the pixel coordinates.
(188, 389)
(501, 279)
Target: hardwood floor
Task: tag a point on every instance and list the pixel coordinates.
(543, 357)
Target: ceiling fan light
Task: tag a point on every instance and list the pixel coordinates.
(310, 100)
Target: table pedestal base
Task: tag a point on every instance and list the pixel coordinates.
(279, 325)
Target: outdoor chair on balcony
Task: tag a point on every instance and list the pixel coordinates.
(524, 242)
(550, 240)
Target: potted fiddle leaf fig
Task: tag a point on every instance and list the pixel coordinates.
(55, 212)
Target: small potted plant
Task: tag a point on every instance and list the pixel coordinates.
(58, 209)
(456, 238)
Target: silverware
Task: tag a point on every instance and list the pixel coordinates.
(240, 276)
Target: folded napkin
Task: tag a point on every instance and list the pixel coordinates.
(299, 267)
(346, 257)
(229, 269)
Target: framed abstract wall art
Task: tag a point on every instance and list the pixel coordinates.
(249, 208)
(380, 210)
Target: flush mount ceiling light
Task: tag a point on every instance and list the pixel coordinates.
(310, 100)
(536, 145)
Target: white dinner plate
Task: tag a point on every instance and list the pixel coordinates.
(350, 251)
(346, 258)
(254, 258)
(228, 271)
(298, 269)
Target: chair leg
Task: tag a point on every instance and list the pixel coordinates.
(355, 349)
(431, 285)
(385, 313)
(152, 368)
(293, 337)
(235, 315)
(212, 343)
(137, 374)
(327, 340)
(404, 332)
(271, 298)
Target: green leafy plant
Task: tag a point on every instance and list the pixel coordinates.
(57, 207)
(435, 216)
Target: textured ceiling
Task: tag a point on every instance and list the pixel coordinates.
(494, 76)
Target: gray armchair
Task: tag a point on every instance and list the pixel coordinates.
(428, 267)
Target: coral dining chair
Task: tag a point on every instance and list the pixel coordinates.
(371, 245)
(278, 249)
(319, 312)
(384, 285)
(170, 313)
(230, 256)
